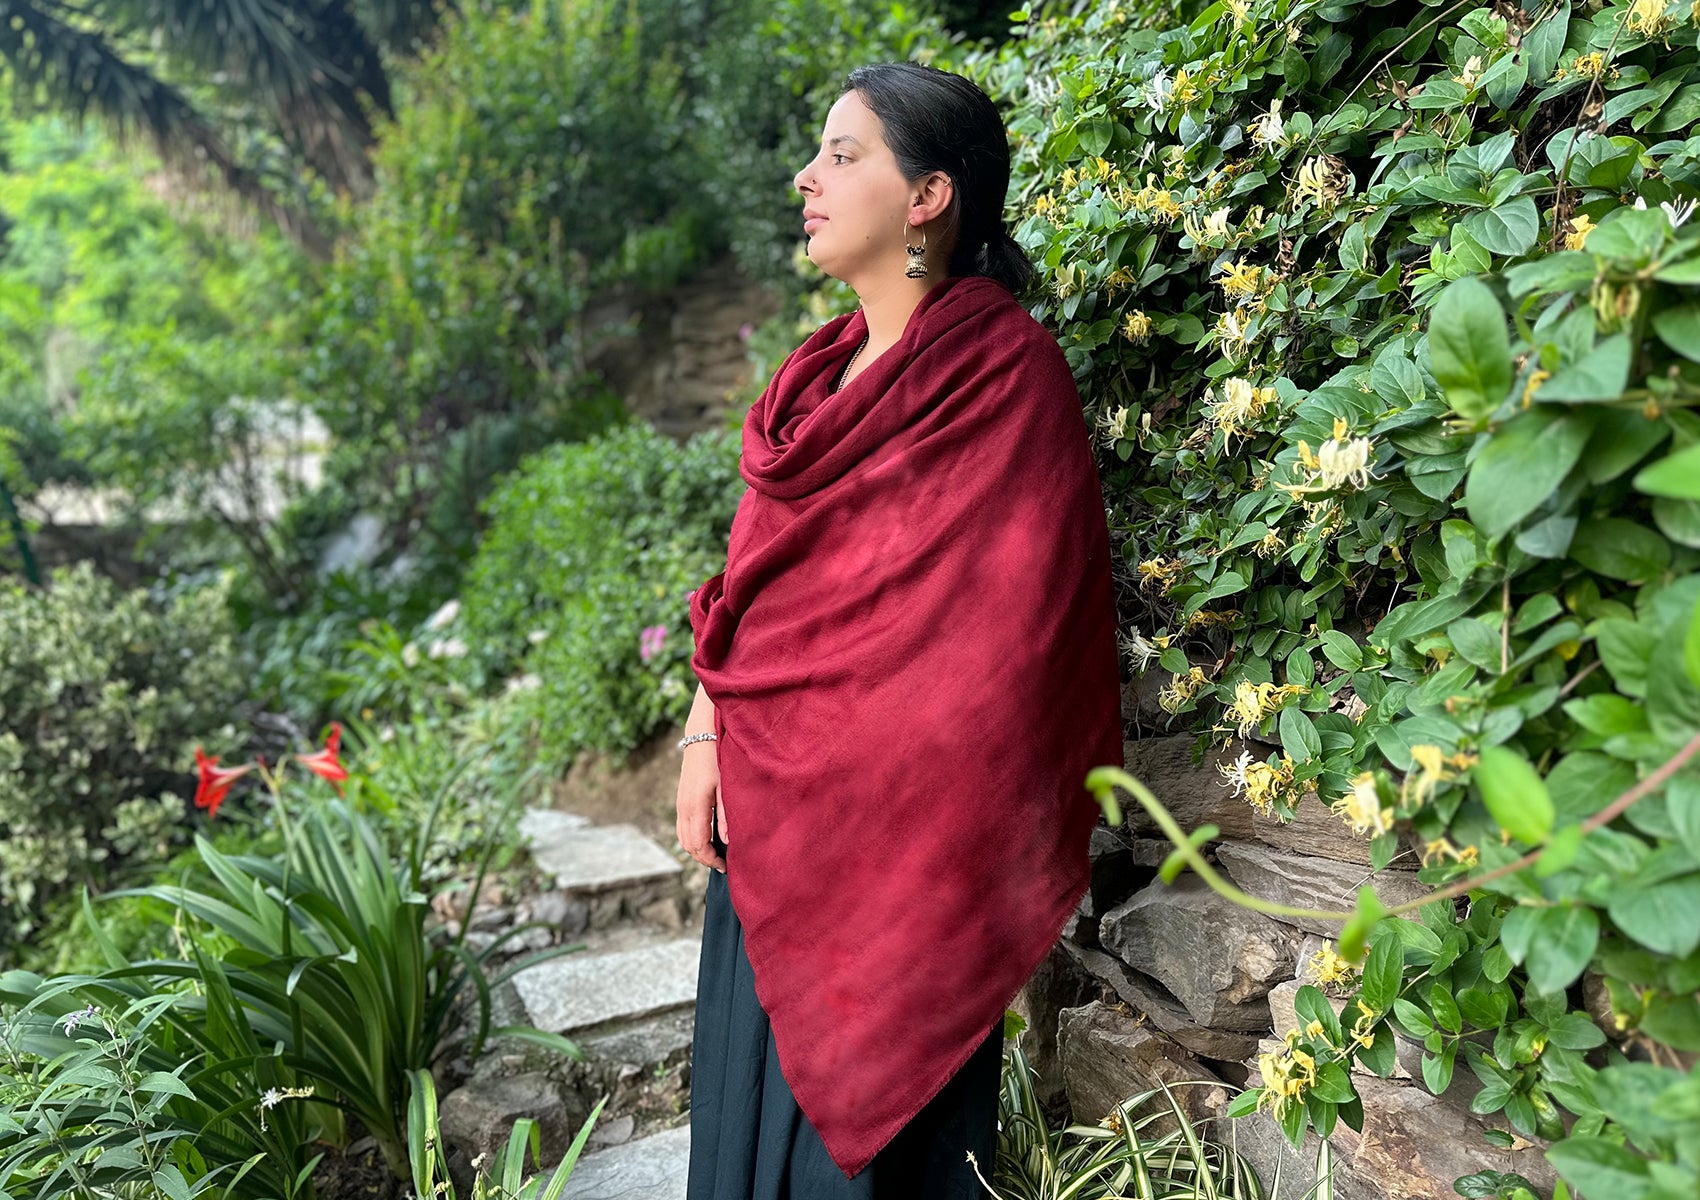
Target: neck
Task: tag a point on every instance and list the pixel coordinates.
(888, 305)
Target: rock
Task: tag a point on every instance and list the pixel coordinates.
(1305, 881)
(1059, 982)
(1218, 958)
(1109, 1055)
(580, 991)
(664, 912)
(612, 1133)
(479, 1116)
(1161, 1009)
(550, 908)
(650, 1168)
(1196, 794)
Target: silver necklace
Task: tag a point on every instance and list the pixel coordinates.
(846, 371)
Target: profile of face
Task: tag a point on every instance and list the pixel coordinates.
(856, 201)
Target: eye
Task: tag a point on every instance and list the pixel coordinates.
(845, 157)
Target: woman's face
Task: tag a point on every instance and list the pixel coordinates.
(856, 203)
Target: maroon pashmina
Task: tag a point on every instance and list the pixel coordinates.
(912, 658)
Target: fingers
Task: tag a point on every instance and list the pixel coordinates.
(695, 831)
(720, 817)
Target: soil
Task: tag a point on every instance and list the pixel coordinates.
(358, 1173)
(643, 791)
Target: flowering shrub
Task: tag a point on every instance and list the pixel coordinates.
(579, 587)
(100, 691)
(1387, 316)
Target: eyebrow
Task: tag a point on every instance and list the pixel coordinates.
(843, 137)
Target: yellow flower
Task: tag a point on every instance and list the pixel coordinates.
(1230, 334)
(1159, 572)
(1240, 404)
(1580, 227)
(1239, 10)
(1440, 850)
(1647, 18)
(1270, 545)
(1342, 459)
(1260, 783)
(1472, 72)
(1045, 204)
(1361, 1033)
(1361, 807)
(1269, 131)
(1068, 177)
(1287, 1075)
(1536, 378)
(1255, 701)
(1205, 620)
(1213, 226)
(1433, 768)
(1119, 278)
(1181, 690)
(1136, 327)
(1589, 64)
(1113, 425)
(1326, 967)
(1239, 279)
(1324, 179)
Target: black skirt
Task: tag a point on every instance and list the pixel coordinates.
(750, 1141)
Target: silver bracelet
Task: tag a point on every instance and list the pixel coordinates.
(697, 737)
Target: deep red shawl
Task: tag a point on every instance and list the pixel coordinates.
(912, 659)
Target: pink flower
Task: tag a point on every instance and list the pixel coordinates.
(745, 330)
(650, 641)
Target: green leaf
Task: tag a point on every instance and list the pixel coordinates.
(1664, 917)
(1521, 465)
(1469, 351)
(1382, 970)
(1245, 1103)
(1515, 795)
(1620, 549)
(1601, 1167)
(1299, 738)
(1561, 945)
(1679, 328)
(1691, 647)
(1510, 229)
(1601, 374)
(1445, 1009)
(1677, 476)
(1476, 642)
(1341, 650)
(1560, 852)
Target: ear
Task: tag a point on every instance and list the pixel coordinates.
(930, 198)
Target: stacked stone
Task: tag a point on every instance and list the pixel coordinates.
(1173, 982)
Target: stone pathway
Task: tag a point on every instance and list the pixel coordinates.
(627, 998)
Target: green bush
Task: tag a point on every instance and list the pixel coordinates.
(589, 545)
(1447, 562)
(103, 695)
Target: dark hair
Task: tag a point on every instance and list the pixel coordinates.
(935, 120)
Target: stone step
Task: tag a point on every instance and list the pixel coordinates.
(591, 992)
(650, 1168)
(594, 858)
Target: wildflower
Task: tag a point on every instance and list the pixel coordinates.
(1580, 227)
(1589, 64)
(324, 762)
(1260, 783)
(1472, 72)
(1136, 327)
(272, 1097)
(1157, 91)
(1117, 279)
(1327, 968)
(1212, 227)
(1287, 1075)
(1142, 650)
(1239, 279)
(1269, 131)
(1536, 378)
(443, 616)
(524, 683)
(1101, 169)
(1113, 424)
(1044, 204)
(536, 636)
(1203, 619)
(1676, 214)
(1155, 200)
(1362, 1034)
(1159, 572)
(1647, 18)
(1180, 691)
(1271, 544)
(1340, 462)
(214, 781)
(1241, 403)
(650, 641)
(1255, 701)
(1433, 768)
(73, 1020)
(1442, 850)
(1361, 808)
(1324, 179)
(1239, 10)
(410, 655)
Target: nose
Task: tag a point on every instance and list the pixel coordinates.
(803, 176)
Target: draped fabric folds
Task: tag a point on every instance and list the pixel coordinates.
(912, 657)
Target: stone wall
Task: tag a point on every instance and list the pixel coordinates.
(1155, 981)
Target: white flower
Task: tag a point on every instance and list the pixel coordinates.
(1678, 213)
(443, 616)
(1157, 91)
(447, 648)
(536, 636)
(1269, 130)
(1234, 772)
(73, 1020)
(271, 1098)
(1342, 462)
(1140, 649)
(410, 655)
(524, 683)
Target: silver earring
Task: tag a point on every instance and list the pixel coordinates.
(917, 268)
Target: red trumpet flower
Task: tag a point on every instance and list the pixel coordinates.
(214, 781)
(324, 763)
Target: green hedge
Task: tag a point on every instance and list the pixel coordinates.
(1396, 386)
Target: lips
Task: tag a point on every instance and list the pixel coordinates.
(811, 220)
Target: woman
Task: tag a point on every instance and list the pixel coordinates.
(907, 669)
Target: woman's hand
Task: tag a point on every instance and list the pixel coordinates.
(699, 789)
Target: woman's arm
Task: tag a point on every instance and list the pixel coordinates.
(701, 719)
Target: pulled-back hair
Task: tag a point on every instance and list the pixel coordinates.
(935, 120)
